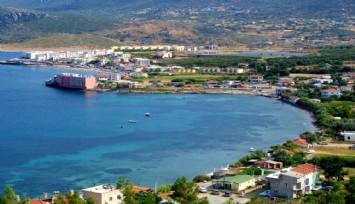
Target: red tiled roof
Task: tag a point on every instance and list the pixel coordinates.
(289, 152)
(255, 76)
(305, 169)
(300, 141)
(293, 97)
(330, 90)
(37, 201)
(212, 81)
(286, 80)
(102, 76)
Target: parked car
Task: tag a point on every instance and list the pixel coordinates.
(323, 143)
(327, 188)
(227, 194)
(265, 194)
(202, 190)
(311, 151)
(215, 192)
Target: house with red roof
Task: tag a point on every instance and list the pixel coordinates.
(255, 78)
(293, 99)
(268, 164)
(285, 82)
(211, 83)
(330, 92)
(301, 143)
(292, 182)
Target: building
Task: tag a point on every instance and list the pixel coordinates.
(140, 62)
(72, 81)
(243, 65)
(322, 80)
(292, 182)
(330, 92)
(285, 82)
(268, 164)
(301, 143)
(238, 182)
(104, 194)
(293, 99)
(211, 83)
(349, 136)
(255, 78)
(164, 54)
(346, 88)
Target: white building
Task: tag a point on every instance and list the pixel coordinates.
(330, 92)
(104, 194)
(291, 183)
(142, 62)
(255, 78)
(349, 136)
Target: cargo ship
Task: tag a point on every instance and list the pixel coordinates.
(72, 81)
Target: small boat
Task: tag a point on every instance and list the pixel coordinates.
(252, 149)
(147, 114)
(122, 126)
(132, 121)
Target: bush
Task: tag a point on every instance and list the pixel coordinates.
(201, 178)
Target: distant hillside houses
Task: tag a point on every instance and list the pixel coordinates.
(51, 55)
(157, 47)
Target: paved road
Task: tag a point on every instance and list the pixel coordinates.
(219, 199)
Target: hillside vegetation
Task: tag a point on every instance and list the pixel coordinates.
(269, 24)
(18, 25)
(68, 41)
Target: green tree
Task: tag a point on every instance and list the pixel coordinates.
(201, 178)
(283, 157)
(332, 166)
(122, 183)
(350, 187)
(128, 194)
(74, 198)
(9, 197)
(59, 199)
(184, 191)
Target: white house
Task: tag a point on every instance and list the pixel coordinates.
(322, 81)
(349, 136)
(330, 92)
(104, 194)
(346, 88)
(285, 82)
(301, 143)
(142, 62)
(293, 182)
(255, 78)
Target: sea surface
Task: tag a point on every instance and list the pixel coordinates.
(53, 139)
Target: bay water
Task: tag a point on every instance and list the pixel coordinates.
(57, 140)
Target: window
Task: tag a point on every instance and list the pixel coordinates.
(349, 138)
(110, 198)
(286, 184)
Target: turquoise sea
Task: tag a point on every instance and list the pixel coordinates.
(53, 139)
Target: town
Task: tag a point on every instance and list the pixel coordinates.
(305, 169)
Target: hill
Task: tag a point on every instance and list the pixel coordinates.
(287, 8)
(64, 41)
(18, 25)
(252, 23)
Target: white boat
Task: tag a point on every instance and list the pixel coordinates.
(147, 114)
(132, 121)
(252, 149)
